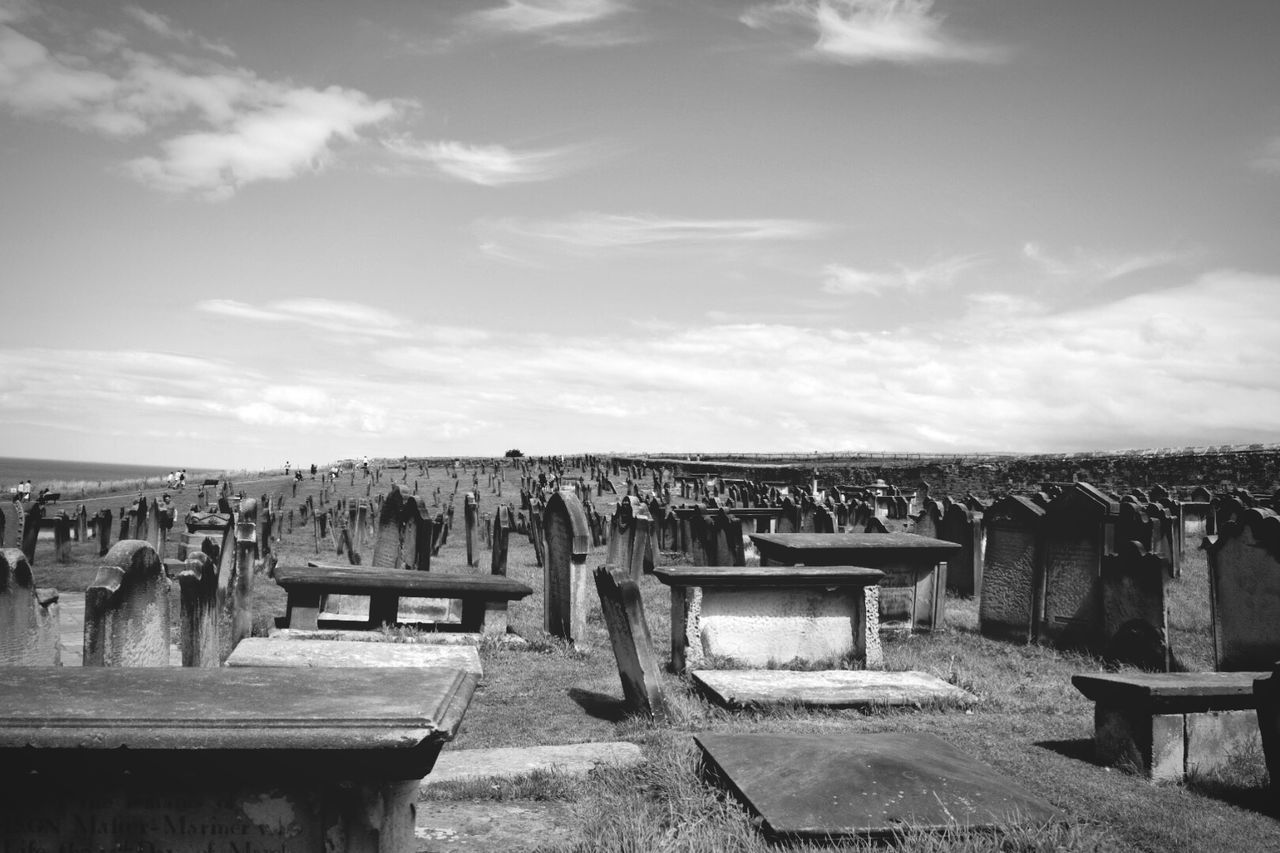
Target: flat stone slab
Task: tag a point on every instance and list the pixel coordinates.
(260, 651)
(836, 688)
(1171, 692)
(744, 577)
(490, 826)
(429, 638)
(873, 550)
(865, 785)
(576, 759)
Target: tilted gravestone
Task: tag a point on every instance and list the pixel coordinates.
(1012, 593)
(126, 609)
(638, 667)
(199, 603)
(28, 616)
(1244, 585)
(386, 546)
(1079, 529)
(31, 530)
(565, 573)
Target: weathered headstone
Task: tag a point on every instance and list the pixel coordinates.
(1012, 592)
(1134, 616)
(565, 573)
(638, 667)
(126, 609)
(964, 527)
(1244, 585)
(1079, 529)
(28, 616)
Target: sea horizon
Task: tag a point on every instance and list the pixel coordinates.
(46, 471)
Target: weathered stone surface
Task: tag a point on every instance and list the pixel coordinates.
(459, 638)
(261, 651)
(576, 759)
(1134, 615)
(828, 688)
(1244, 581)
(1079, 529)
(1170, 692)
(566, 577)
(1012, 596)
(126, 619)
(489, 826)
(623, 612)
(866, 785)
(29, 618)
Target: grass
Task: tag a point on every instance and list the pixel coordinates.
(1029, 723)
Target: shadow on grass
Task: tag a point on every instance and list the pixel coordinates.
(1080, 749)
(1254, 798)
(602, 706)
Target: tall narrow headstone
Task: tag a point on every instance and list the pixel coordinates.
(1244, 586)
(386, 546)
(964, 571)
(565, 573)
(126, 609)
(1079, 529)
(1012, 592)
(638, 667)
(28, 616)
(1135, 619)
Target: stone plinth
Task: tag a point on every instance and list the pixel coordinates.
(220, 759)
(1165, 725)
(757, 616)
(839, 688)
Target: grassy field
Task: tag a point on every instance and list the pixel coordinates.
(1029, 723)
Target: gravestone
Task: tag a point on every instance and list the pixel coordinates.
(126, 609)
(831, 688)
(963, 527)
(1012, 593)
(28, 616)
(929, 520)
(386, 546)
(866, 785)
(1134, 615)
(200, 606)
(1244, 586)
(1079, 528)
(501, 530)
(638, 668)
(470, 514)
(565, 573)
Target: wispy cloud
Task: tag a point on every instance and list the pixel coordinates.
(239, 127)
(350, 318)
(845, 280)
(163, 26)
(602, 232)
(576, 23)
(1083, 265)
(491, 165)
(856, 32)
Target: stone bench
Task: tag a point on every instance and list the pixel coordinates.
(760, 616)
(244, 759)
(484, 597)
(1165, 725)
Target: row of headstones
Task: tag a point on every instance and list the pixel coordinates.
(1082, 569)
(126, 621)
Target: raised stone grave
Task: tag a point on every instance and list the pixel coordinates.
(262, 651)
(228, 760)
(575, 759)
(760, 616)
(28, 616)
(835, 688)
(1012, 594)
(1165, 725)
(1244, 585)
(868, 786)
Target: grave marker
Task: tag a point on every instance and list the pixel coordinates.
(565, 575)
(126, 609)
(1244, 585)
(28, 616)
(1079, 529)
(1012, 592)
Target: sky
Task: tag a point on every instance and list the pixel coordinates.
(237, 233)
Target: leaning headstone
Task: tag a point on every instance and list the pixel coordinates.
(386, 546)
(1079, 529)
(199, 637)
(1135, 619)
(1244, 585)
(126, 609)
(31, 530)
(565, 573)
(623, 611)
(28, 616)
(418, 535)
(1012, 593)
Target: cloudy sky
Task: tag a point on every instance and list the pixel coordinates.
(241, 232)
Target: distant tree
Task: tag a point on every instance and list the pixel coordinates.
(513, 453)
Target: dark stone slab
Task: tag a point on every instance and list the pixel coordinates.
(764, 576)
(865, 785)
(385, 722)
(355, 579)
(852, 549)
(1171, 692)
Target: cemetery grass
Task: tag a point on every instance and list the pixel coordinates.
(1029, 723)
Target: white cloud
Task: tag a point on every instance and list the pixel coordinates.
(163, 26)
(352, 319)
(600, 231)
(845, 280)
(235, 128)
(1084, 265)
(863, 31)
(575, 23)
(489, 165)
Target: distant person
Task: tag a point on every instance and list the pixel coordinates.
(313, 470)
(286, 467)
(182, 478)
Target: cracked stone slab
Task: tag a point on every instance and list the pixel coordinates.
(493, 827)
(828, 688)
(576, 759)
